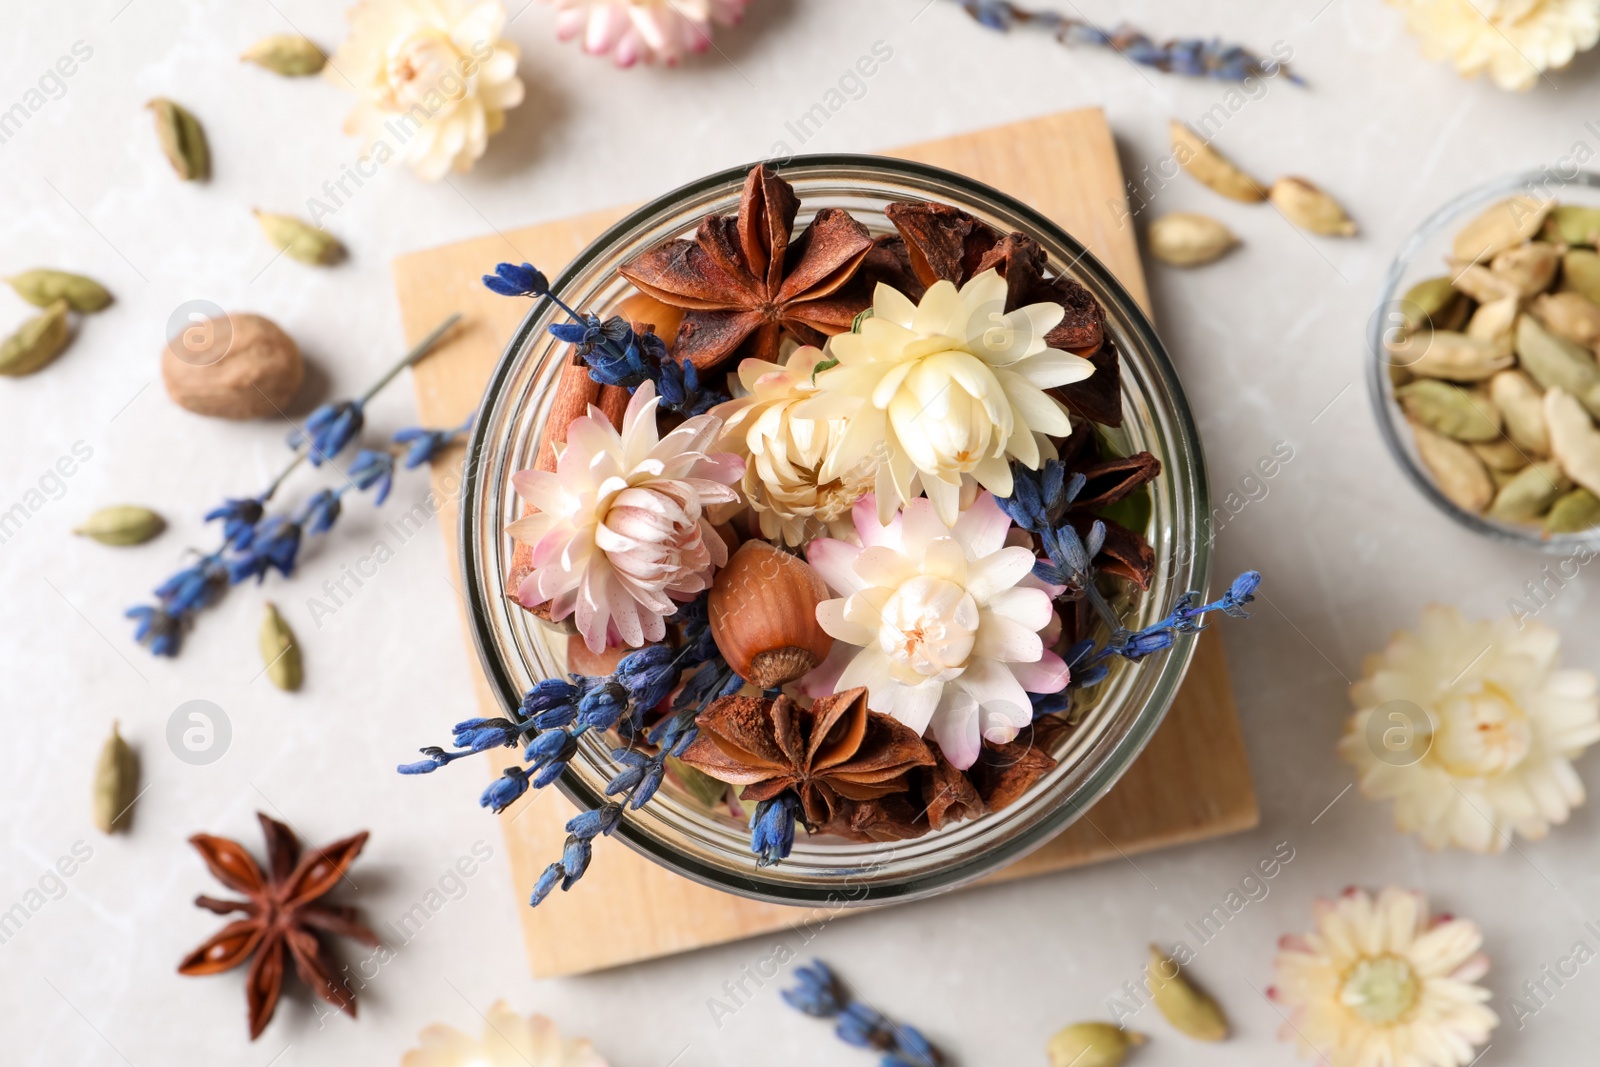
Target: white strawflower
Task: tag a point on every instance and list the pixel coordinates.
(1513, 40)
(945, 389)
(784, 453)
(435, 79)
(947, 630)
(1471, 729)
(1379, 983)
(509, 1040)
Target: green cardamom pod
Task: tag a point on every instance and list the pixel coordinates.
(1188, 1009)
(1556, 363)
(1575, 512)
(116, 784)
(182, 139)
(1529, 493)
(301, 240)
(1429, 303)
(704, 788)
(1450, 410)
(1575, 224)
(36, 342)
(41, 288)
(1580, 273)
(123, 524)
(1092, 1045)
(286, 54)
(280, 652)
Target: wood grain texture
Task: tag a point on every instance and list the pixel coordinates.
(1191, 782)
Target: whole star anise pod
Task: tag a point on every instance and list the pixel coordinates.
(835, 752)
(283, 915)
(744, 278)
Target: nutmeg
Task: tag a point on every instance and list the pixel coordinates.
(763, 609)
(233, 367)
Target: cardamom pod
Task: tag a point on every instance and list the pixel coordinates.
(1576, 224)
(1495, 322)
(1189, 1010)
(1500, 226)
(1530, 493)
(1557, 363)
(1574, 512)
(704, 788)
(1573, 439)
(41, 288)
(1309, 208)
(1580, 273)
(36, 342)
(1092, 1045)
(287, 54)
(1456, 469)
(123, 524)
(1521, 405)
(1529, 269)
(1211, 168)
(1570, 315)
(1502, 457)
(1450, 410)
(1500, 478)
(280, 652)
(1430, 303)
(1452, 356)
(1188, 240)
(1483, 284)
(183, 140)
(116, 784)
(301, 240)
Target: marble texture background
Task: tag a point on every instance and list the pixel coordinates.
(1270, 345)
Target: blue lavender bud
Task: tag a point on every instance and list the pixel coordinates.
(329, 429)
(274, 546)
(509, 279)
(437, 757)
(547, 881)
(602, 707)
(504, 791)
(480, 735)
(370, 469)
(864, 1027)
(194, 588)
(648, 675)
(635, 764)
(550, 775)
(321, 511)
(654, 771)
(1144, 643)
(772, 829)
(818, 994)
(549, 693)
(239, 518)
(597, 823)
(157, 628)
(1089, 677)
(1050, 703)
(913, 1049)
(554, 746)
(1240, 593)
(575, 857)
(1025, 506)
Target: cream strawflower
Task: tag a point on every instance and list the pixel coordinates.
(1472, 730)
(509, 1040)
(946, 631)
(631, 30)
(435, 80)
(944, 389)
(1379, 983)
(1514, 40)
(619, 531)
(784, 453)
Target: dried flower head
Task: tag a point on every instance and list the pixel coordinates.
(946, 633)
(631, 30)
(1378, 981)
(618, 529)
(949, 388)
(1471, 729)
(1515, 41)
(435, 80)
(784, 453)
(509, 1039)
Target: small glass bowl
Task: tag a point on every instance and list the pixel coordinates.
(1423, 255)
(712, 847)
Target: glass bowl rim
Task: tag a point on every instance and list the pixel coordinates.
(1379, 391)
(1122, 752)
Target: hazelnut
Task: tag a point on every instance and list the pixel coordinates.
(763, 610)
(235, 367)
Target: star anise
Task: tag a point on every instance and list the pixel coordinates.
(283, 915)
(835, 752)
(744, 278)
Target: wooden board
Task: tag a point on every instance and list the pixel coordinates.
(1191, 782)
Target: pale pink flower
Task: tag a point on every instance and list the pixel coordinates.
(619, 530)
(940, 622)
(631, 30)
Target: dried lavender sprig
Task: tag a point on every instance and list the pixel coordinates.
(614, 351)
(821, 995)
(1193, 56)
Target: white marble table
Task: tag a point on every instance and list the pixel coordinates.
(1269, 343)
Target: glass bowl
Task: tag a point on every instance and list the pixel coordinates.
(1423, 255)
(712, 847)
